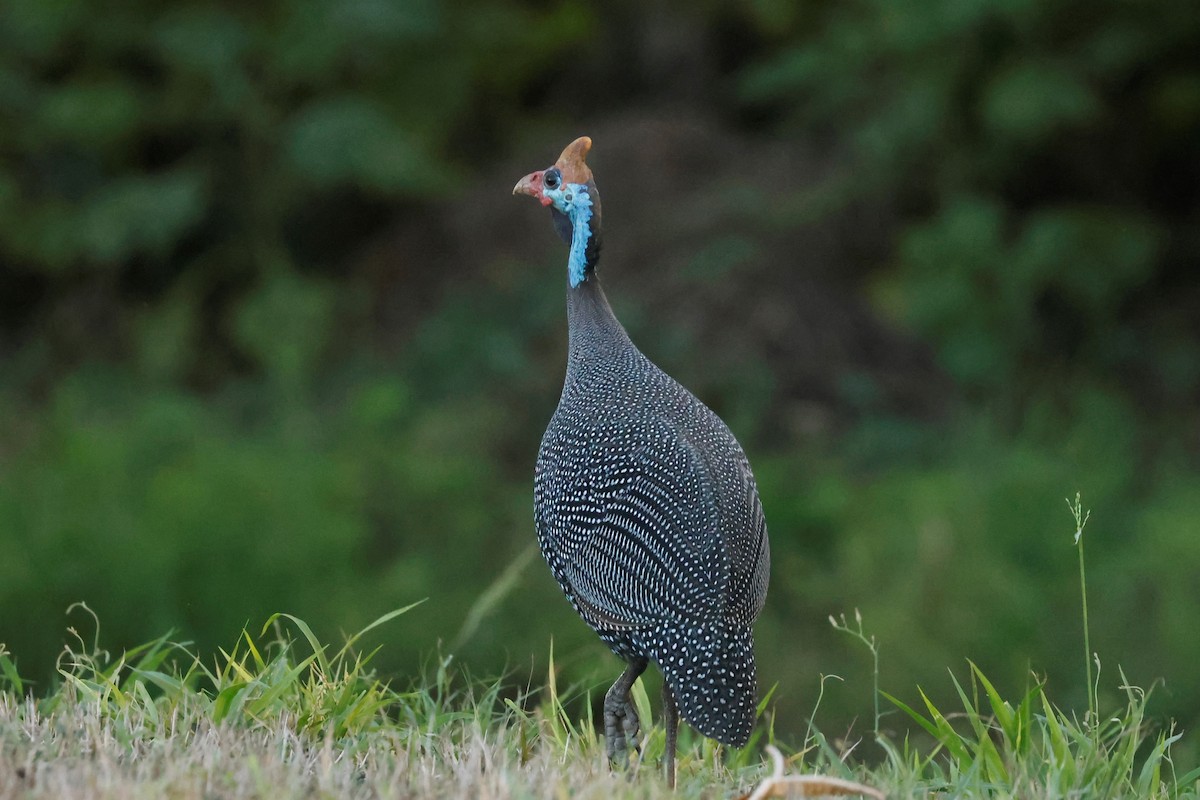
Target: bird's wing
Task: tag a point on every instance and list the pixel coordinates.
(633, 539)
(749, 546)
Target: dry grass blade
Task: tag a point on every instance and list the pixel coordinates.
(780, 785)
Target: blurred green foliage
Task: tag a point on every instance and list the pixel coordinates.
(200, 429)
(1043, 158)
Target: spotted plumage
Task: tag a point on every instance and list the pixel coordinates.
(645, 506)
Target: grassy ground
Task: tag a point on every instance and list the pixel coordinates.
(282, 715)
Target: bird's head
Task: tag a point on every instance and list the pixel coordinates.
(569, 191)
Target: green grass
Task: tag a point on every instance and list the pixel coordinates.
(281, 714)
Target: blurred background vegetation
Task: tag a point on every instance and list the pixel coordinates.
(274, 336)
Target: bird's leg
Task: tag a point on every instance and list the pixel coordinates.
(671, 723)
(620, 718)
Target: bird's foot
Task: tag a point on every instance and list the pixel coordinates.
(621, 729)
(621, 726)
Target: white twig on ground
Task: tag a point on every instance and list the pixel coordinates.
(780, 785)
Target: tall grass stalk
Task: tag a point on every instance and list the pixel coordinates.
(839, 623)
(1081, 517)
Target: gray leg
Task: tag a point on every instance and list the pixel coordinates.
(671, 723)
(620, 718)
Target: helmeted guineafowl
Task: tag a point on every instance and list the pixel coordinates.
(646, 509)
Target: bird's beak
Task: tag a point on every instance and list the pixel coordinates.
(531, 185)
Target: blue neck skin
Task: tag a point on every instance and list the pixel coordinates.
(573, 200)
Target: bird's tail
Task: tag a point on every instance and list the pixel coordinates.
(710, 669)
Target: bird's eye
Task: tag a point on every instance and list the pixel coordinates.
(552, 178)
